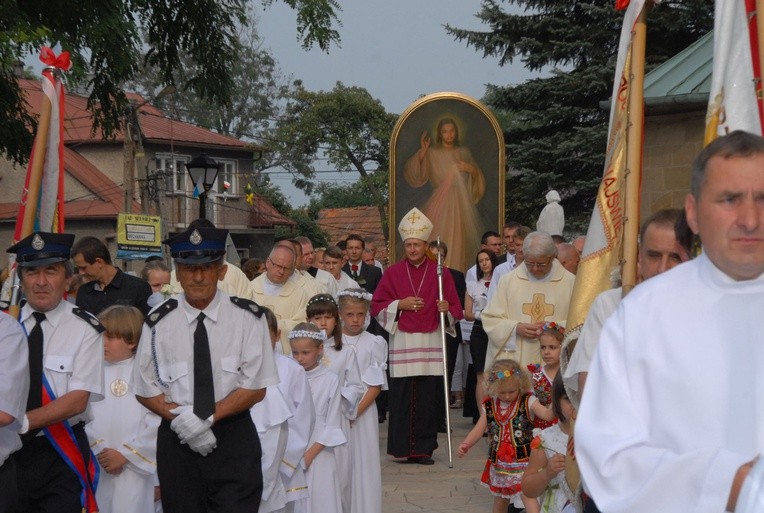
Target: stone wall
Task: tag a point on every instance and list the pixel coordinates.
(671, 144)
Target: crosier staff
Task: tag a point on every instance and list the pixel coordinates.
(442, 316)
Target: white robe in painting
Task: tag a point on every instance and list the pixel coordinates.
(672, 406)
(344, 363)
(121, 423)
(284, 420)
(322, 477)
(366, 494)
(452, 206)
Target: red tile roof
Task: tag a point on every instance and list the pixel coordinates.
(156, 127)
(107, 199)
(364, 221)
(264, 215)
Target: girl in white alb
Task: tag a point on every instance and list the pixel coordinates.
(371, 350)
(341, 359)
(319, 462)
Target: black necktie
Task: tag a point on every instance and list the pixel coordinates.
(34, 400)
(204, 390)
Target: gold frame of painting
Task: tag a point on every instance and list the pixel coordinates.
(423, 165)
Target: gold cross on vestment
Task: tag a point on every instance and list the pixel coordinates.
(414, 217)
(538, 308)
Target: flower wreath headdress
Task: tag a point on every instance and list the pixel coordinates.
(504, 374)
(315, 335)
(354, 293)
(553, 326)
(321, 297)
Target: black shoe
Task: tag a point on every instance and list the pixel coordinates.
(421, 460)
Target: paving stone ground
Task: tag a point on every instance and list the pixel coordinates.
(408, 488)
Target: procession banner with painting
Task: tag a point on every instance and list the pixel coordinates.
(610, 247)
(447, 159)
(604, 239)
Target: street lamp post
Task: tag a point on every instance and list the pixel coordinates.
(203, 171)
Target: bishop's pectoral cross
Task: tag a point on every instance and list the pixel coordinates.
(538, 308)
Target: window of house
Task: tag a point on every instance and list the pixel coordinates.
(173, 167)
(228, 173)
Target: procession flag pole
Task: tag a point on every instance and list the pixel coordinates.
(634, 141)
(41, 205)
(611, 239)
(446, 393)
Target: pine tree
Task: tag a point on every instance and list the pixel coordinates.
(554, 127)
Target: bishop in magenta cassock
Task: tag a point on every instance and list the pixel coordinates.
(406, 305)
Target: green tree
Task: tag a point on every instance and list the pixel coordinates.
(110, 40)
(555, 130)
(345, 126)
(258, 90)
(306, 223)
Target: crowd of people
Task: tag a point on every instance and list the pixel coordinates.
(205, 386)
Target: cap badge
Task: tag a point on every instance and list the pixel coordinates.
(195, 238)
(37, 242)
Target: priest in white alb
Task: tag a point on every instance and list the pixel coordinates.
(275, 290)
(535, 292)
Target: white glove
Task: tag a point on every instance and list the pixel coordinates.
(204, 443)
(187, 425)
(24, 426)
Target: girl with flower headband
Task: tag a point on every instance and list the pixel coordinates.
(507, 416)
(319, 461)
(542, 376)
(545, 475)
(475, 301)
(366, 492)
(341, 360)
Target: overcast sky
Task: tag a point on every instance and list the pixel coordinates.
(396, 49)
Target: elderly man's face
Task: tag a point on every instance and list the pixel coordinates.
(157, 278)
(44, 286)
(368, 257)
(415, 250)
(200, 282)
(280, 266)
(729, 215)
(539, 266)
